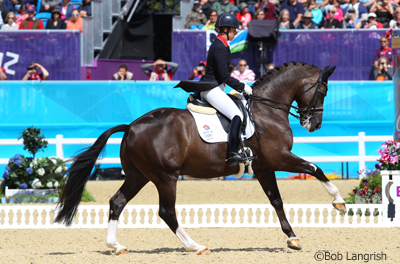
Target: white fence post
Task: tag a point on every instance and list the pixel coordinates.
(361, 151)
(59, 146)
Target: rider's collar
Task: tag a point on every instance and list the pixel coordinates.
(223, 40)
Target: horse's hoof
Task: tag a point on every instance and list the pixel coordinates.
(340, 207)
(122, 252)
(204, 252)
(294, 243)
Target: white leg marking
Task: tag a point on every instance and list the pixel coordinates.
(240, 172)
(333, 191)
(189, 243)
(111, 240)
(291, 238)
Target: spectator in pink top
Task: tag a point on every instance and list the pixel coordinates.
(243, 74)
(22, 15)
(244, 16)
(339, 13)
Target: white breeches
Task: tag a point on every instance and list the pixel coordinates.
(220, 100)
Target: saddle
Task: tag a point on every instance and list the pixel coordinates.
(196, 104)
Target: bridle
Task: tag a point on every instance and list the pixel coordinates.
(305, 114)
(309, 111)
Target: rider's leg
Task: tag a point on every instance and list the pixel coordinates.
(220, 100)
(233, 143)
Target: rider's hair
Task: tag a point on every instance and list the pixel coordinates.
(220, 29)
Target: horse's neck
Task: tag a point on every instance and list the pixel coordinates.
(278, 88)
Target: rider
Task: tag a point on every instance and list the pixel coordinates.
(218, 60)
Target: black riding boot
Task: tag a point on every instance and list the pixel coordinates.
(233, 143)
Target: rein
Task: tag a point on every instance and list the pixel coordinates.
(304, 114)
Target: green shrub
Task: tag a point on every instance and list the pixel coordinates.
(33, 141)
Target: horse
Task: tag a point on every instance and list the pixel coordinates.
(164, 143)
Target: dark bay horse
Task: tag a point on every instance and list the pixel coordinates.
(164, 143)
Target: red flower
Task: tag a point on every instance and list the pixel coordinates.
(388, 34)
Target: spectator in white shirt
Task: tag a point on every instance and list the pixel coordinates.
(243, 74)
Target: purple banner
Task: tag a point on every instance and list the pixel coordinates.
(57, 51)
(353, 51)
(104, 69)
(188, 49)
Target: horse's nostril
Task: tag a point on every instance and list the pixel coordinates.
(318, 126)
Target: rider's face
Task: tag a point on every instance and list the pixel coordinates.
(232, 33)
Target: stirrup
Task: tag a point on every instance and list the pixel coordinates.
(236, 158)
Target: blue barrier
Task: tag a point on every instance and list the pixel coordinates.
(86, 109)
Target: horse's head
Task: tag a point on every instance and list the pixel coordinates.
(310, 100)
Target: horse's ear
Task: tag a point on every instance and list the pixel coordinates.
(327, 71)
(330, 71)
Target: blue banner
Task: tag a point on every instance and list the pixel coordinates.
(87, 109)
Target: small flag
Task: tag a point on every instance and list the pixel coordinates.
(240, 42)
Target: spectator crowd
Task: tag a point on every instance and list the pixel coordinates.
(305, 14)
(51, 14)
(300, 14)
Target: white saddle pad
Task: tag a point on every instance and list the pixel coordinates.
(211, 130)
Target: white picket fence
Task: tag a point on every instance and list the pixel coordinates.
(361, 139)
(196, 216)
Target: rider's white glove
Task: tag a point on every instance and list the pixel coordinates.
(248, 90)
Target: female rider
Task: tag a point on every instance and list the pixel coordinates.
(218, 60)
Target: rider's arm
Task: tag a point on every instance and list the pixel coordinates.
(222, 68)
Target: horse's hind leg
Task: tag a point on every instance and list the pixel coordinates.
(167, 197)
(134, 182)
(292, 163)
(268, 182)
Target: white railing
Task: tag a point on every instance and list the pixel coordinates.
(204, 215)
(60, 141)
(360, 139)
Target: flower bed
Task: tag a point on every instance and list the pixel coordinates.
(44, 173)
(28, 196)
(369, 190)
(46, 176)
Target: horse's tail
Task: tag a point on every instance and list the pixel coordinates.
(78, 175)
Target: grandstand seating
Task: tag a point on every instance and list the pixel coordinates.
(44, 16)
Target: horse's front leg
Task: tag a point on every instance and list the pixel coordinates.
(292, 163)
(268, 182)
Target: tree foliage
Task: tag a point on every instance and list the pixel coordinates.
(33, 141)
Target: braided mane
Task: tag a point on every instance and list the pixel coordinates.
(277, 68)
